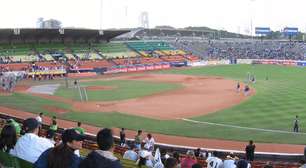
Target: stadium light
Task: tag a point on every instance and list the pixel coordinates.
(251, 11)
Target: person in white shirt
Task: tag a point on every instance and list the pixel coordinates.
(149, 143)
(30, 146)
(145, 159)
(214, 162)
(229, 162)
(39, 118)
(131, 154)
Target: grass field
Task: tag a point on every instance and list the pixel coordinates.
(274, 106)
(122, 89)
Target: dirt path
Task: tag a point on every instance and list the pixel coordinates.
(199, 96)
(174, 140)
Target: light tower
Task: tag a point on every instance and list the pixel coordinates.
(144, 19)
(251, 11)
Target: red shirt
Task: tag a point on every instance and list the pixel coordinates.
(188, 162)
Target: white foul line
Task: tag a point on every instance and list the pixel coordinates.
(239, 127)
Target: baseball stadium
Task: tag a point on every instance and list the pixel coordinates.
(200, 93)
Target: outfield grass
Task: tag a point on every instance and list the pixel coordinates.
(122, 89)
(274, 106)
(31, 103)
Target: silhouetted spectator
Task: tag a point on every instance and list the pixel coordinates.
(62, 156)
(8, 138)
(103, 157)
(249, 151)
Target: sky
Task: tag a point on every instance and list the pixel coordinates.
(231, 15)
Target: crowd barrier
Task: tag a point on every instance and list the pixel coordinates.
(249, 61)
(137, 68)
(276, 62)
(210, 62)
(48, 72)
(245, 61)
(84, 74)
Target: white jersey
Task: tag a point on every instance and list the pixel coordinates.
(214, 162)
(39, 119)
(229, 164)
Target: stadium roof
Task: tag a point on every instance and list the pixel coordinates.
(36, 35)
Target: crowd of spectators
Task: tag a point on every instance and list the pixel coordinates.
(47, 152)
(246, 49)
(6, 59)
(8, 80)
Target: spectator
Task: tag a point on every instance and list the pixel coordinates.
(80, 129)
(229, 162)
(102, 158)
(138, 140)
(54, 118)
(53, 126)
(8, 138)
(250, 150)
(189, 160)
(30, 146)
(131, 154)
(171, 163)
(213, 161)
(149, 143)
(145, 159)
(305, 153)
(268, 165)
(62, 156)
(122, 137)
(243, 164)
(39, 118)
(197, 165)
(16, 125)
(197, 152)
(176, 155)
(303, 163)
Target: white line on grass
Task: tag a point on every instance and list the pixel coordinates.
(239, 127)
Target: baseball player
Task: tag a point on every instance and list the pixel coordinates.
(246, 90)
(238, 87)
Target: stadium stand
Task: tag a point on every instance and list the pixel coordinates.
(244, 49)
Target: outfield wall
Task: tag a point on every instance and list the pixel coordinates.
(137, 68)
(250, 61)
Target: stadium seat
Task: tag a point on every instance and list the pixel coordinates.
(7, 160)
(24, 164)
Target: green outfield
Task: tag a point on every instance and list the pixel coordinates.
(280, 95)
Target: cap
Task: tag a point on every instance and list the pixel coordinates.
(190, 153)
(71, 134)
(30, 124)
